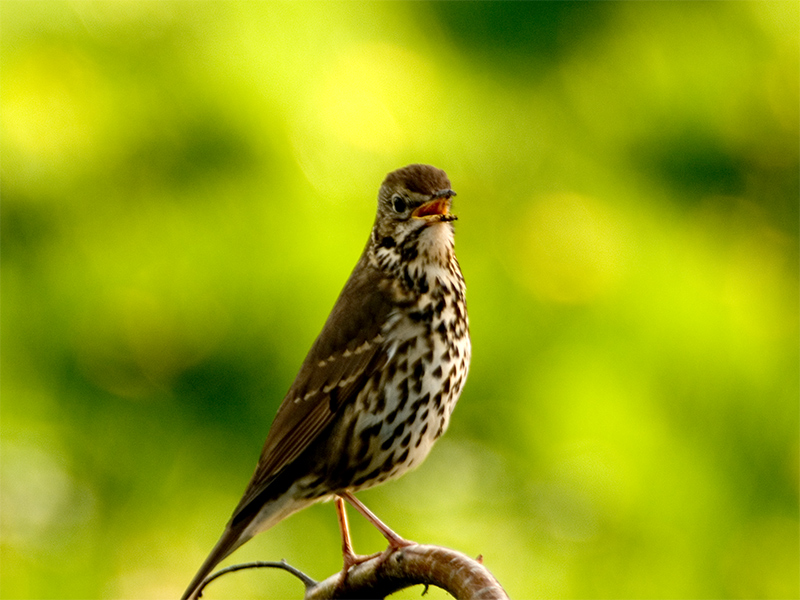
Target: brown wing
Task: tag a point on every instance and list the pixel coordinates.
(342, 359)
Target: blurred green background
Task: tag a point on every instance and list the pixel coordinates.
(186, 186)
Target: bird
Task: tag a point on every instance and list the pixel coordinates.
(379, 384)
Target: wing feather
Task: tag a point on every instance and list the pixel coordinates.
(342, 359)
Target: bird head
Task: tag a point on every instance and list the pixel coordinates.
(411, 201)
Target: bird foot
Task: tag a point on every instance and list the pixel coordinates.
(395, 544)
(351, 560)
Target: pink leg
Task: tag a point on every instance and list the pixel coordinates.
(347, 545)
(395, 541)
(349, 557)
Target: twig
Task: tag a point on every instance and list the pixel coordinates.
(307, 581)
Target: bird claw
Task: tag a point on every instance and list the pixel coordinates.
(351, 560)
(394, 546)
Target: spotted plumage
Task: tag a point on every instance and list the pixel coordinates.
(378, 386)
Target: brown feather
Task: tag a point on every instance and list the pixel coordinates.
(306, 410)
(422, 179)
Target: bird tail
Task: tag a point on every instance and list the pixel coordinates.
(230, 540)
(245, 523)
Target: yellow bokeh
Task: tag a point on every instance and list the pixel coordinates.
(570, 249)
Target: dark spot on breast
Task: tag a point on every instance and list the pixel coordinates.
(406, 441)
(387, 443)
(409, 283)
(409, 252)
(437, 372)
(428, 356)
(370, 432)
(402, 349)
(372, 474)
(402, 389)
(422, 284)
(420, 402)
(387, 242)
(421, 315)
(419, 370)
(359, 480)
(389, 464)
(363, 465)
(380, 401)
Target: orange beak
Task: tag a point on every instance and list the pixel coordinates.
(438, 206)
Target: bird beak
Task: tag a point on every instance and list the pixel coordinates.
(439, 206)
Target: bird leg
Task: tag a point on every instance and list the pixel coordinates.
(349, 557)
(395, 541)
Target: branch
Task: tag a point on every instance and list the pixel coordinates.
(462, 577)
(452, 571)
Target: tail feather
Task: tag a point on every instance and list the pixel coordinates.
(230, 540)
(244, 525)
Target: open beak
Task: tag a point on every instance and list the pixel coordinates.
(437, 209)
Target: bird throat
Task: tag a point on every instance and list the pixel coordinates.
(428, 247)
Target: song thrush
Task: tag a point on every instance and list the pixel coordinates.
(379, 383)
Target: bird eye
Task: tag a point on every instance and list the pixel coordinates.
(399, 204)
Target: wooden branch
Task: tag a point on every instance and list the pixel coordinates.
(456, 573)
(461, 576)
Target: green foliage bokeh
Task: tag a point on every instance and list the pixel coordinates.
(186, 186)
